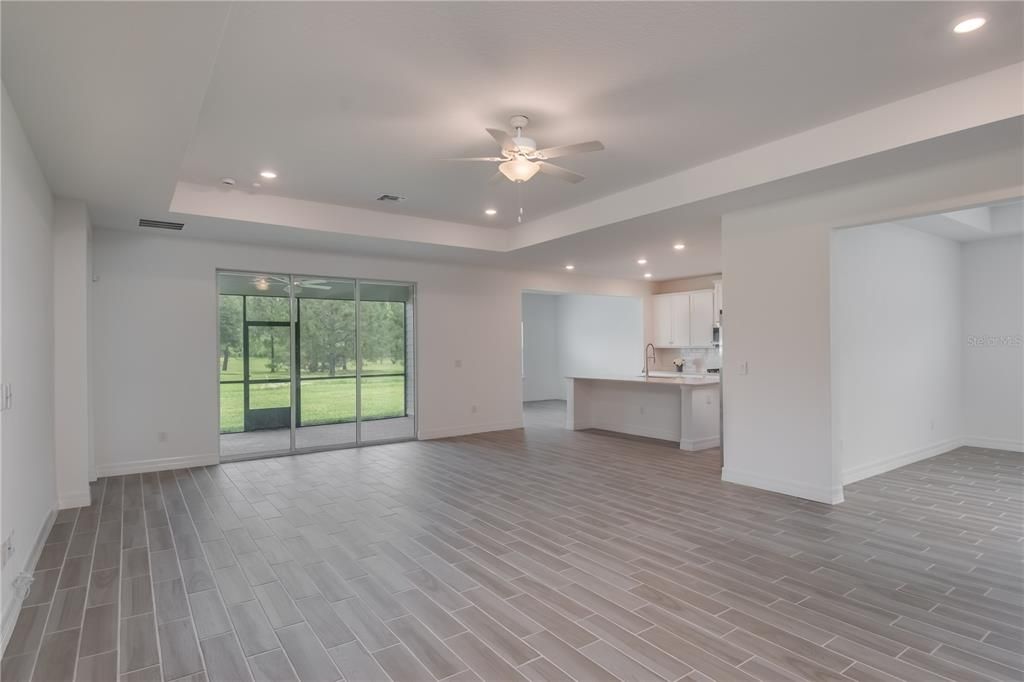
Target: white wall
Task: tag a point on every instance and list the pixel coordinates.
(993, 354)
(777, 418)
(154, 326)
(896, 347)
(600, 335)
(27, 462)
(542, 375)
(71, 285)
(572, 334)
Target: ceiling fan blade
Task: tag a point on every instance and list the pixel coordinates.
(502, 138)
(478, 158)
(316, 286)
(567, 149)
(304, 282)
(559, 172)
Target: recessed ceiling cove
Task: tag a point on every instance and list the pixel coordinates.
(347, 101)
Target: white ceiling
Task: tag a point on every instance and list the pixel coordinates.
(124, 101)
(351, 100)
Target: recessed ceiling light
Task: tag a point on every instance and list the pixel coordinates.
(647, 275)
(570, 267)
(268, 174)
(969, 24)
(256, 184)
(679, 247)
(491, 211)
(641, 261)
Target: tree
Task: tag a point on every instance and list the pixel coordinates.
(230, 313)
(327, 334)
(382, 331)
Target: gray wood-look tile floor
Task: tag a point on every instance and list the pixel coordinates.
(539, 554)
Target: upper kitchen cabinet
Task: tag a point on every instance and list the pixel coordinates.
(718, 301)
(702, 318)
(683, 320)
(663, 315)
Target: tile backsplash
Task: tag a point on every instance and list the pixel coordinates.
(710, 356)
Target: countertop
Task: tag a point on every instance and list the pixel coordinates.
(660, 378)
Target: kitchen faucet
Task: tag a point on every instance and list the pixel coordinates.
(648, 359)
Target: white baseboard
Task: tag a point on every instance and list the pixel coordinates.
(699, 443)
(449, 432)
(880, 466)
(141, 466)
(786, 487)
(74, 499)
(12, 605)
(995, 443)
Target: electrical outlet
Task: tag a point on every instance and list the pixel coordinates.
(162, 436)
(8, 549)
(473, 409)
(458, 364)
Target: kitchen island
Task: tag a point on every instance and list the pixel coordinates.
(680, 408)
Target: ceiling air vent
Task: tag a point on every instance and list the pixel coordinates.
(160, 224)
(390, 197)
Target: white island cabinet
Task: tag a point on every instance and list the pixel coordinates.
(684, 409)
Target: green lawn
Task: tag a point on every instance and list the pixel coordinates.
(326, 401)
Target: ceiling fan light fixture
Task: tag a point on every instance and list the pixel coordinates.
(518, 169)
(261, 283)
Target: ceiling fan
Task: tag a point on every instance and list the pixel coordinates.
(520, 159)
(310, 284)
(263, 283)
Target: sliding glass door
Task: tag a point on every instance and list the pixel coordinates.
(254, 364)
(325, 329)
(312, 363)
(384, 362)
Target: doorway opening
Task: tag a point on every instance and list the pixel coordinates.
(313, 363)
